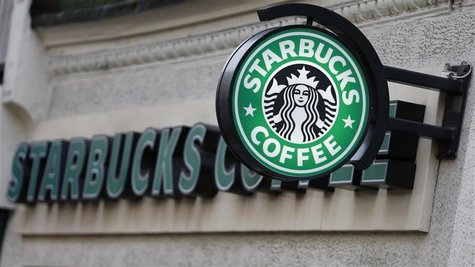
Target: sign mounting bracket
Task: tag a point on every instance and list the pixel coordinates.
(455, 86)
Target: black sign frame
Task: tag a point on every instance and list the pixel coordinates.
(355, 41)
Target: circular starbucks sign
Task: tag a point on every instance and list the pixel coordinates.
(295, 103)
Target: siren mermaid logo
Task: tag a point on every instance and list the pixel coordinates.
(299, 102)
(298, 110)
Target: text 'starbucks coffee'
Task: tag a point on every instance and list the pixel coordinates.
(293, 102)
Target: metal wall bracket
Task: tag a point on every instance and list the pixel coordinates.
(455, 86)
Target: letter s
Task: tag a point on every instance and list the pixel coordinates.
(253, 84)
(350, 97)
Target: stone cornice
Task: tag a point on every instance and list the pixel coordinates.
(185, 47)
(363, 13)
(360, 12)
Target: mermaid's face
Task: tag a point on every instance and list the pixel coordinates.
(300, 95)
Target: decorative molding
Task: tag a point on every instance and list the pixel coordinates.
(178, 48)
(367, 10)
(363, 12)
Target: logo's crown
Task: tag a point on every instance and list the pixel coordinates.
(302, 78)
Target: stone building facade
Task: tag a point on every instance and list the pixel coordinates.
(160, 68)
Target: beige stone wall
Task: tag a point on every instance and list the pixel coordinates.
(109, 72)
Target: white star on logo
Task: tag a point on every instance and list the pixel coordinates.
(348, 122)
(249, 110)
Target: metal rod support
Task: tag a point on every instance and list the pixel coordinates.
(421, 129)
(309, 21)
(423, 80)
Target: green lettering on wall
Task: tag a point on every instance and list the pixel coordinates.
(164, 165)
(142, 165)
(250, 179)
(17, 186)
(342, 175)
(52, 172)
(276, 185)
(303, 184)
(38, 152)
(74, 169)
(95, 170)
(189, 179)
(223, 175)
(119, 171)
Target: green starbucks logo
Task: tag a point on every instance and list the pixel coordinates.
(300, 102)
